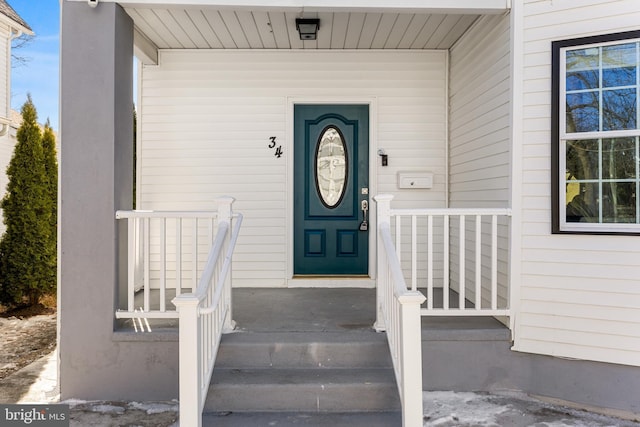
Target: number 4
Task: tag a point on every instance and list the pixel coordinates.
(278, 152)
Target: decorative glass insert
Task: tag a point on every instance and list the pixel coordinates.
(331, 166)
(597, 81)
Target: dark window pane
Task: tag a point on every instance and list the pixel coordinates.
(612, 77)
(582, 112)
(582, 159)
(619, 202)
(578, 80)
(582, 202)
(619, 158)
(619, 109)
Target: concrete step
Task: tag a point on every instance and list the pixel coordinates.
(303, 390)
(304, 350)
(300, 372)
(312, 419)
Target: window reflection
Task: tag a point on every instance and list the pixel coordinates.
(619, 158)
(619, 109)
(601, 180)
(583, 112)
(601, 85)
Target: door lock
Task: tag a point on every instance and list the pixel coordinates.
(364, 225)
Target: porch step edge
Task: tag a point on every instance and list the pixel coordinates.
(309, 419)
(466, 335)
(303, 350)
(297, 336)
(302, 390)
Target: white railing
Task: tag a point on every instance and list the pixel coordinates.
(398, 313)
(457, 253)
(203, 316)
(166, 254)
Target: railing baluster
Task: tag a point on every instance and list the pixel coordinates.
(194, 256)
(462, 279)
(478, 296)
(163, 263)
(210, 231)
(445, 263)
(399, 238)
(131, 265)
(414, 253)
(494, 262)
(178, 256)
(430, 262)
(147, 268)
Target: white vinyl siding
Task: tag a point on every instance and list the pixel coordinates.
(208, 117)
(579, 294)
(6, 142)
(5, 91)
(479, 143)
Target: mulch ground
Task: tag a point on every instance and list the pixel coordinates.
(26, 334)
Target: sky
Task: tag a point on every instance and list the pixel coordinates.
(40, 75)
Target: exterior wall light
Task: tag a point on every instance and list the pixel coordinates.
(308, 28)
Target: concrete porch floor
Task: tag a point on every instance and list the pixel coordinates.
(328, 310)
(314, 310)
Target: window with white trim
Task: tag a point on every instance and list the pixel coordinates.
(596, 144)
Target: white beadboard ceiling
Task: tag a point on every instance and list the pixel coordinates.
(208, 28)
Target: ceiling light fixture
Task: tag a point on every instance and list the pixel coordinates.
(308, 28)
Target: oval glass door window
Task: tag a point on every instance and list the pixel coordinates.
(331, 166)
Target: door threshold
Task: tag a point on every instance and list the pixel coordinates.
(324, 281)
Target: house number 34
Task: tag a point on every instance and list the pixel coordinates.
(278, 149)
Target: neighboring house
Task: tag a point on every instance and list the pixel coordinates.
(530, 105)
(11, 26)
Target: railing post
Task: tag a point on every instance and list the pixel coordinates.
(383, 215)
(189, 354)
(225, 214)
(411, 336)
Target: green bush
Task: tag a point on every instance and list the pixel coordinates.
(28, 247)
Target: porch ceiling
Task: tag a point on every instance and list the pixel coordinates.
(193, 27)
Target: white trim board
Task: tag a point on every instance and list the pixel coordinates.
(399, 6)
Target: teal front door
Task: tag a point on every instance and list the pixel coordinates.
(331, 190)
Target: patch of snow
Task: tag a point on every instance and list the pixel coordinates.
(455, 409)
(155, 407)
(107, 409)
(450, 408)
(74, 402)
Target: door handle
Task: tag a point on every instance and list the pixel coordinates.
(364, 225)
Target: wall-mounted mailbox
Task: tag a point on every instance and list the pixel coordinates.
(415, 180)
